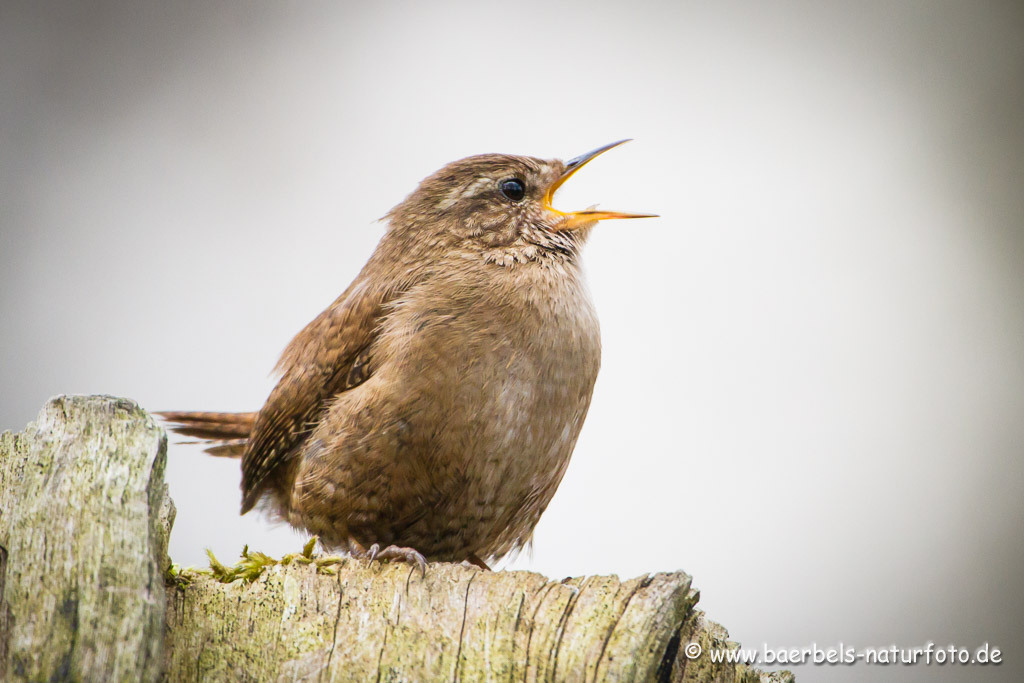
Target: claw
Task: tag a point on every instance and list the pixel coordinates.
(393, 553)
(475, 560)
(396, 553)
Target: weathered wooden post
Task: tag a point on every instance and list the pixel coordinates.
(85, 591)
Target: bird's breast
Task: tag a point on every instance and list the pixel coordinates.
(457, 441)
(505, 357)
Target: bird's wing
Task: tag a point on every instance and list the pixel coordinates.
(329, 356)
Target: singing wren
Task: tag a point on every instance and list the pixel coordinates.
(432, 408)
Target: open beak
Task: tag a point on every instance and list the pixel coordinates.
(576, 219)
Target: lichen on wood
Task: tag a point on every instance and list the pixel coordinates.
(84, 517)
(88, 592)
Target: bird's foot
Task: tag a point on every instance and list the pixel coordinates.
(395, 553)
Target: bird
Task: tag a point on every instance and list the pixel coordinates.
(429, 413)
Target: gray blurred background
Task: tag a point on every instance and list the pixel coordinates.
(811, 396)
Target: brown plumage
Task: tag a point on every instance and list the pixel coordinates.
(229, 432)
(433, 407)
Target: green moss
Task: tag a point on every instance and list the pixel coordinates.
(252, 565)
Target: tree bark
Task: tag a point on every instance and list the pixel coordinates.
(84, 522)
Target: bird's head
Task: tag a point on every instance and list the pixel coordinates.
(500, 206)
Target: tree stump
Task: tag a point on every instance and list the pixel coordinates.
(85, 591)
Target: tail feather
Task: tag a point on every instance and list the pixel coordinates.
(229, 449)
(227, 433)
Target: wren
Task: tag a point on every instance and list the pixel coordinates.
(431, 410)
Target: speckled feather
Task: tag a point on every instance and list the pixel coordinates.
(435, 404)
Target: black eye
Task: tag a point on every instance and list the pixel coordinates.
(513, 188)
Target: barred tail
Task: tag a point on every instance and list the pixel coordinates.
(227, 433)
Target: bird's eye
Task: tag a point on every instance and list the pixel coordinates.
(513, 188)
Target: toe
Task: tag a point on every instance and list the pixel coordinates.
(409, 555)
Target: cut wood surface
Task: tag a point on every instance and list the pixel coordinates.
(84, 519)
